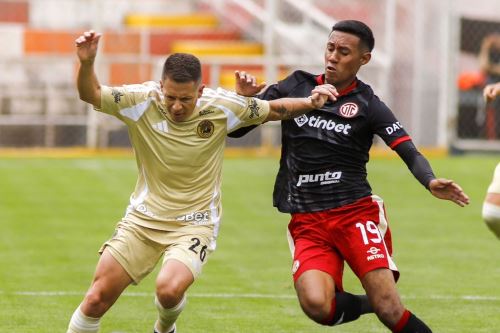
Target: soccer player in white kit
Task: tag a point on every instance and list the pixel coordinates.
(177, 129)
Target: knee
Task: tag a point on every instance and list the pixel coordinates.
(388, 309)
(96, 303)
(316, 306)
(169, 293)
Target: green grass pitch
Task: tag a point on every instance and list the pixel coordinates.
(55, 214)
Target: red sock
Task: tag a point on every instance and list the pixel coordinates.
(402, 322)
(331, 315)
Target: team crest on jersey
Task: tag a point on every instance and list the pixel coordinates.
(349, 110)
(301, 120)
(205, 129)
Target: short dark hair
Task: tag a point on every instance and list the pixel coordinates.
(182, 67)
(359, 29)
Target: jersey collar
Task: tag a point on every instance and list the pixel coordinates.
(320, 79)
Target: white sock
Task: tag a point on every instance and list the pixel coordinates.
(167, 317)
(491, 215)
(80, 323)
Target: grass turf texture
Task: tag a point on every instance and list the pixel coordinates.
(55, 214)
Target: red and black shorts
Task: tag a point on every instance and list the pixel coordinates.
(357, 233)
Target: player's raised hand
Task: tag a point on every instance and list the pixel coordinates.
(86, 46)
(246, 84)
(448, 190)
(322, 93)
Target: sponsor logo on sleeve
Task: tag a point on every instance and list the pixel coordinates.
(393, 128)
(117, 95)
(205, 129)
(348, 110)
(254, 108)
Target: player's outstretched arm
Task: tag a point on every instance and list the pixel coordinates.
(447, 189)
(289, 108)
(491, 91)
(87, 83)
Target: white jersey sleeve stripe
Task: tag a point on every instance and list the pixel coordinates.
(138, 88)
(226, 96)
(229, 93)
(232, 120)
(239, 102)
(135, 112)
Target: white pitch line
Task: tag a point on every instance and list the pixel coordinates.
(271, 296)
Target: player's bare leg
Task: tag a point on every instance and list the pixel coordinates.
(319, 301)
(171, 284)
(315, 290)
(380, 287)
(382, 293)
(110, 280)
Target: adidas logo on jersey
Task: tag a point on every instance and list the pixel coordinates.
(162, 126)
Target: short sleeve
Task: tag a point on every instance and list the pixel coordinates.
(126, 102)
(386, 125)
(240, 111)
(254, 112)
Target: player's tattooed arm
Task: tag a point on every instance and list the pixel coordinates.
(289, 108)
(282, 111)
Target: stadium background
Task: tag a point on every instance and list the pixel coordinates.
(424, 59)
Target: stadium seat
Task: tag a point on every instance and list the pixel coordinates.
(171, 21)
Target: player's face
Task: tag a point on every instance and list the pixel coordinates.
(343, 58)
(181, 98)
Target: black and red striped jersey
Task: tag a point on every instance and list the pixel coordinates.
(324, 152)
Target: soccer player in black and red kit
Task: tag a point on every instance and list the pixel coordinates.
(322, 182)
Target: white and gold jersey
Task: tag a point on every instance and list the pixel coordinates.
(179, 163)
